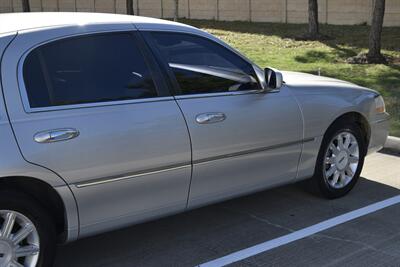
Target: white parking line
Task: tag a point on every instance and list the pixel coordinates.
(286, 239)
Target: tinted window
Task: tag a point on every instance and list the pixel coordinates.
(89, 69)
(203, 66)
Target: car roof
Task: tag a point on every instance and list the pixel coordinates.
(14, 22)
(11, 23)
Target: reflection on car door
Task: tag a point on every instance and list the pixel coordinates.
(242, 140)
(95, 115)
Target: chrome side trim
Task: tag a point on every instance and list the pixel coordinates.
(131, 176)
(251, 151)
(233, 93)
(56, 135)
(210, 117)
(28, 109)
(100, 181)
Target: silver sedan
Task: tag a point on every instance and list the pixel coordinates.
(111, 120)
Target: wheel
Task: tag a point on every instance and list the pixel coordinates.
(27, 232)
(340, 160)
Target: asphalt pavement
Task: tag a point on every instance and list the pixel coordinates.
(209, 233)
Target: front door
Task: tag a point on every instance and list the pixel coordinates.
(242, 140)
(93, 111)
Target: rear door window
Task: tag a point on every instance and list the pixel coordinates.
(88, 69)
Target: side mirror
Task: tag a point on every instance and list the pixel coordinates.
(273, 78)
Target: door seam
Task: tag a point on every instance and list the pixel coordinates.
(191, 153)
(303, 133)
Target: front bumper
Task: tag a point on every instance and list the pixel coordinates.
(379, 132)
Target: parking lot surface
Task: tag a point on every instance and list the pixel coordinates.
(209, 233)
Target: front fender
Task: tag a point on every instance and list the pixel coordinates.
(320, 108)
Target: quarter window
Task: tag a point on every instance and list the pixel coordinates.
(203, 66)
(95, 68)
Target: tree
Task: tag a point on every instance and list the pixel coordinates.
(176, 15)
(25, 6)
(374, 54)
(313, 27)
(129, 7)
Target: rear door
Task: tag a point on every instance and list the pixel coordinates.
(242, 140)
(92, 109)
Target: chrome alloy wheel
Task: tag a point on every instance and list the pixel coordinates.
(341, 160)
(19, 240)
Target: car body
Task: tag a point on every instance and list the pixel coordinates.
(105, 163)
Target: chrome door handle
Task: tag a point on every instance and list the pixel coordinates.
(56, 135)
(211, 117)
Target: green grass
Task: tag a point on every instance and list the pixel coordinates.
(272, 44)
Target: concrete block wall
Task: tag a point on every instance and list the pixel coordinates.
(85, 6)
(268, 10)
(231, 10)
(392, 15)
(346, 12)
(297, 11)
(350, 11)
(150, 8)
(203, 9)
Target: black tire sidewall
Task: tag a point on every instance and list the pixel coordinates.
(324, 187)
(29, 207)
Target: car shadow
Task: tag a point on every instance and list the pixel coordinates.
(388, 151)
(203, 234)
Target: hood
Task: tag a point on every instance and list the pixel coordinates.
(298, 78)
(312, 83)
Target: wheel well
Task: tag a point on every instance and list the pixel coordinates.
(44, 194)
(360, 120)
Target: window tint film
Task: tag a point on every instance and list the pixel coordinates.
(203, 66)
(96, 68)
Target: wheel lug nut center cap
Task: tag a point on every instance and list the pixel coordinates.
(6, 253)
(342, 160)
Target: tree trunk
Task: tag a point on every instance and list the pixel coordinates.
(374, 54)
(129, 7)
(176, 15)
(313, 28)
(25, 6)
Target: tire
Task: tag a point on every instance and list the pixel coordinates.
(26, 208)
(326, 186)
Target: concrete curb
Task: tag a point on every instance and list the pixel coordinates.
(393, 143)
